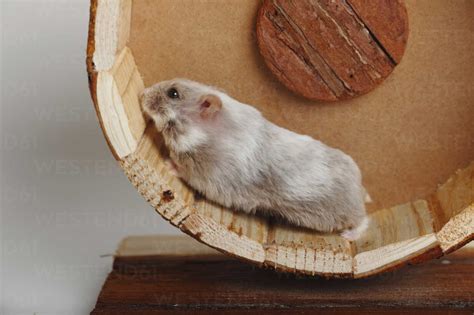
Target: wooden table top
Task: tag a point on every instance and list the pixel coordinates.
(155, 275)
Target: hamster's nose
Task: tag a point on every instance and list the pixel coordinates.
(147, 92)
(151, 103)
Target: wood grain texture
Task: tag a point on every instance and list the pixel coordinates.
(437, 222)
(112, 31)
(325, 50)
(455, 195)
(147, 171)
(118, 103)
(387, 20)
(396, 224)
(395, 255)
(113, 75)
(458, 231)
(91, 71)
(211, 282)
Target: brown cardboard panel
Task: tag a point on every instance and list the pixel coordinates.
(408, 135)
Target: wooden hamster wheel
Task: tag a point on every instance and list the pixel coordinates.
(410, 135)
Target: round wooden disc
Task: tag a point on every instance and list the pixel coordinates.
(332, 49)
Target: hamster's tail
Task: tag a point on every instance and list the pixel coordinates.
(355, 233)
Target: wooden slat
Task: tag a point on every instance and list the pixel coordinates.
(293, 249)
(396, 224)
(153, 187)
(112, 31)
(152, 152)
(253, 227)
(455, 195)
(114, 117)
(215, 235)
(324, 262)
(390, 256)
(458, 231)
(130, 85)
(117, 93)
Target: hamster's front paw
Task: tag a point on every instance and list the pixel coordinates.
(172, 167)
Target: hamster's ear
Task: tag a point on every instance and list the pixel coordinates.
(210, 105)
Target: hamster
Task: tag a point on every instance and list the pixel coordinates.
(232, 155)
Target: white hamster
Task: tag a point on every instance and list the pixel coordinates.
(231, 154)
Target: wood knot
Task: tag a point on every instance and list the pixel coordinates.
(167, 196)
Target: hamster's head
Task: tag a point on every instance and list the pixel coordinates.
(180, 104)
(186, 112)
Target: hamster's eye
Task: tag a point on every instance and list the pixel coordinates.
(172, 93)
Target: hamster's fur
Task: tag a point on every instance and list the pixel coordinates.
(231, 154)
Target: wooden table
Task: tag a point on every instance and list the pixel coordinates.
(157, 275)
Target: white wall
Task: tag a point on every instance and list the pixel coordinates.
(65, 201)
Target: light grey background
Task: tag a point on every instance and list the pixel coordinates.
(65, 202)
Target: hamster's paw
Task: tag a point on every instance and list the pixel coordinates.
(172, 167)
(350, 235)
(355, 233)
(367, 198)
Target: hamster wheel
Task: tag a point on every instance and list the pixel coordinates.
(412, 136)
